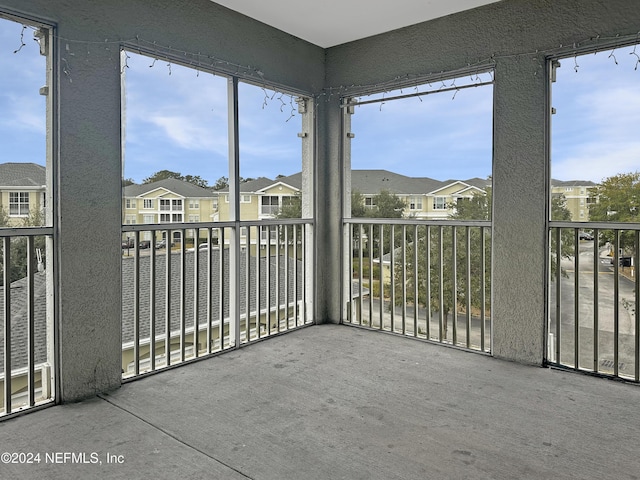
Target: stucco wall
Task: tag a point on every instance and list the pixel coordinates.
(515, 36)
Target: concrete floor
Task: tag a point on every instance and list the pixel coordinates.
(334, 402)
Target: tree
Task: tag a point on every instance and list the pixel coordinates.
(127, 181)
(165, 174)
(222, 182)
(387, 205)
(618, 201)
(291, 207)
(358, 210)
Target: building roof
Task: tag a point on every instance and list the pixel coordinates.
(370, 182)
(179, 187)
(572, 183)
(16, 174)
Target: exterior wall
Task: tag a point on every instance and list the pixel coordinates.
(88, 148)
(502, 35)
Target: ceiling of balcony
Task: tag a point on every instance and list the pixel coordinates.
(328, 23)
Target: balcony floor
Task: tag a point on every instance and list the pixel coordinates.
(333, 402)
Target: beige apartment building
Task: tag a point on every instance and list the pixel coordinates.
(22, 191)
(579, 194)
(168, 201)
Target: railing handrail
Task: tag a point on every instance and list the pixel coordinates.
(144, 227)
(594, 225)
(416, 221)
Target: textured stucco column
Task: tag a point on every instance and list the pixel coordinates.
(89, 207)
(519, 202)
(328, 212)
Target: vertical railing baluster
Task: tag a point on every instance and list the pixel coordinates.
(136, 304)
(167, 304)
(441, 283)
(428, 304)
(454, 283)
(558, 292)
(278, 276)
(381, 275)
(152, 299)
(370, 254)
(416, 281)
(636, 282)
(403, 298)
(221, 295)
(247, 281)
(183, 290)
(468, 286)
(196, 289)
(596, 286)
(483, 286)
(30, 322)
(392, 277)
(295, 275)
(360, 273)
(268, 278)
(576, 298)
(616, 302)
(285, 275)
(209, 288)
(259, 232)
(6, 277)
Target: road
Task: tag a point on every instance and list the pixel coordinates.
(595, 320)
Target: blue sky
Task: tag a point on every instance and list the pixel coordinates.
(176, 119)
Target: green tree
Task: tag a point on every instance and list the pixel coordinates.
(387, 205)
(291, 207)
(165, 174)
(618, 200)
(358, 210)
(222, 182)
(127, 181)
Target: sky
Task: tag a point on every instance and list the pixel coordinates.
(176, 119)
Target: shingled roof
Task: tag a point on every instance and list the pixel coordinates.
(16, 174)
(179, 187)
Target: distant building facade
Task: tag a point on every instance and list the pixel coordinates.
(22, 191)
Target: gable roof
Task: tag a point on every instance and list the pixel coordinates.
(372, 182)
(16, 174)
(179, 187)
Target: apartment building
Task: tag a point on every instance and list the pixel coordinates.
(168, 201)
(22, 190)
(579, 194)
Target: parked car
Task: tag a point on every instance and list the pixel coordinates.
(585, 236)
(145, 244)
(128, 243)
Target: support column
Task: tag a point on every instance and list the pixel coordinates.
(520, 210)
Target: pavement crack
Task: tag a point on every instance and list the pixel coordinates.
(174, 437)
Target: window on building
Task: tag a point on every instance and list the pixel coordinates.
(176, 204)
(415, 203)
(19, 203)
(194, 204)
(149, 218)
(270, 205)
(245, 199)
(194, 218)
(130, 203)
(130, 219)
(148, 203)
(439, 203)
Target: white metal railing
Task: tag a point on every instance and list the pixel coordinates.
(594, 293)
(213, 292)
(26, 335)
(428, 280)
